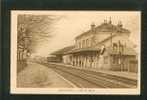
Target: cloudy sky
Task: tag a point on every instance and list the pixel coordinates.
(73, 23)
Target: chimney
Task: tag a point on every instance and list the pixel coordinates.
(119, 24)
(105, 21)
(110, 22)
(92, 26)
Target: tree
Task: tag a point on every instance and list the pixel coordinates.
(32, 29)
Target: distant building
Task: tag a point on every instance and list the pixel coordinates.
(59, 55)
(106, 46)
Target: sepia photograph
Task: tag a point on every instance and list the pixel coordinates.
(75, 52)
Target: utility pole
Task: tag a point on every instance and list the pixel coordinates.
(111, 39)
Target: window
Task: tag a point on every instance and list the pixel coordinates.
(87, 42)
(106, 60)
(79, 44)
(115, 59)
(83, 43)
(115, 46)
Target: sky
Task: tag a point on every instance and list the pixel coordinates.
(73, 23)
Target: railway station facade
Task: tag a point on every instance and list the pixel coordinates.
(106, 46)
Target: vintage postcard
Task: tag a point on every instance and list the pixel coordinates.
(75, 52)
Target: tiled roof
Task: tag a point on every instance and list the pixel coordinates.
(63, 50)
(107, 39)
(105, 27)
(79, 50)
(71, 50)
(126, 51)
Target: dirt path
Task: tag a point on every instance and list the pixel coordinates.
(39, 76)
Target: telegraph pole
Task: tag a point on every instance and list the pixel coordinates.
(111, 39)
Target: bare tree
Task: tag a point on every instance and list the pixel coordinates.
(31, 30)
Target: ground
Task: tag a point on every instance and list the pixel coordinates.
(36, 75)
(59, 75)
(125, 74)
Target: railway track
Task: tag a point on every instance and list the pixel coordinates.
(79, 81)
(91, 79)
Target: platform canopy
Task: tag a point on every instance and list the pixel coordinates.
(83, 50)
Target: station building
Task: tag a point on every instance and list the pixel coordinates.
(106, 46)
